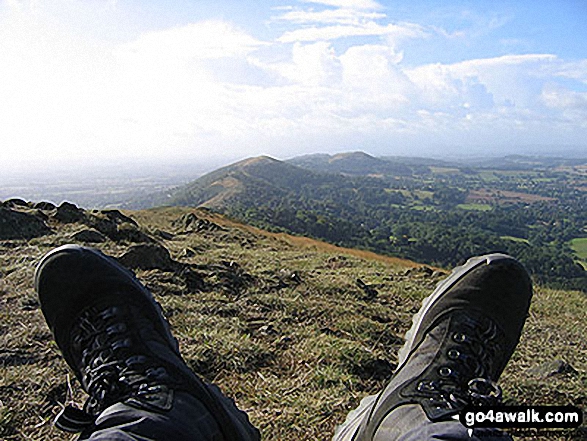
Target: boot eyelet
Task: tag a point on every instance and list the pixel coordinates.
(459, 337)
(444, 371)
(453, 354)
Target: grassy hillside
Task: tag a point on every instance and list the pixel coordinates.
(278, 322)
(438, 215)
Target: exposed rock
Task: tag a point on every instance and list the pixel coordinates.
(229, 276)
(104, 225)
(46, 206)
(130, 233)
(15, 202)
(89, 236)
(336, 262)
(192, 223)
(194, 281)
(370, 292)
(290, 277)
(438, 274)
(164, 234)
(188, 252)
(267, 330)
(41, 215)
(147, 257)
(116, 227)
(69, 213)
(426, 270)
(551, 368)
(118, 217)
(18, 225)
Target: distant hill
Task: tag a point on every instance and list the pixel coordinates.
(253, 181)
(524, 162)
(439, 213)
(358, 163)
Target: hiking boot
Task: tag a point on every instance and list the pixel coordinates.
(113, 335)
(459, 343)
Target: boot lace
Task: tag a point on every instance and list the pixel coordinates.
(112, 366)
(466, 369)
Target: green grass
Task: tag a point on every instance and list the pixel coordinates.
(488, 176)
(444, 170)
(475, 207)
(424, 194)
(579, 246)
(515, 239)
(422, 207)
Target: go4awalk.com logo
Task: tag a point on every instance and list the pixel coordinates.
(539, 417)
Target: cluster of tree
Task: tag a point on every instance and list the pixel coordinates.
(416, 210)
(382, 216)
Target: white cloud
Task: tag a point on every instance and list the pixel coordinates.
(210, 87)
(204, 40)
(330, 16)
(391, 31)
(314, 63)
(576, 70)
(477, 65)
(509, 79)
(380, 89)
(570, 104)
(348, 4)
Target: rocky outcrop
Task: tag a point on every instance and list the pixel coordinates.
(15, 202)
(148, 257)
(192, 223)
(116, 226)
(88, 236)
(21, 225)
(68, 213)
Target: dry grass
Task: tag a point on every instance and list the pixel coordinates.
(297, 345)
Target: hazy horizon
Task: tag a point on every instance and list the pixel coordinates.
(102, 184)
(139, 80)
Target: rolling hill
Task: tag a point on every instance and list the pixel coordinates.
(255, 180)
(358, 163)
(437, 214)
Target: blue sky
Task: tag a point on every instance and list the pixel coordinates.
(92, 81)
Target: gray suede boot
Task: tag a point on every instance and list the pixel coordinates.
(457, 348)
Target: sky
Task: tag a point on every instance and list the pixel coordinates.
(94, 81)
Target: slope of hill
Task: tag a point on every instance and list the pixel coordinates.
(261, 179)
(297, 331)
(439, 217)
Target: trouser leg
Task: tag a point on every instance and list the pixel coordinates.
(187, 419)
(409, 423)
